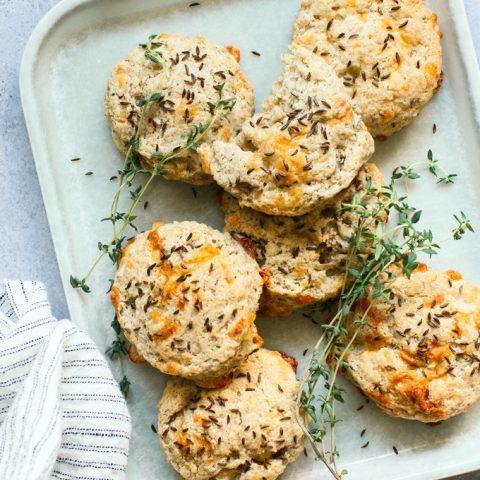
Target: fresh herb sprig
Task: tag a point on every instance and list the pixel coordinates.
(134, 166)
(117, 349)
(408, 172)
(377, 254)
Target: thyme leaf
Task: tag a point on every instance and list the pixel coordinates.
(125, 386)
(151, 51)
(118, 346)
(77, 283)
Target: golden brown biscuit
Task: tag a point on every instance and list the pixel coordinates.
(305, 147)
(246, 430)
(302, 258)
(387, 53)
(196, 72)
(418, 358)
(186, 297)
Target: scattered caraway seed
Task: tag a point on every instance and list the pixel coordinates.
(113, 178)
(152, 426)
(305, 351)
(194, 4)
(360, 408)
(365, 445)
(194, 192)
(76, 159)
(88, 173)
(256, 53)
(145, 205)
(395, 450)
(363, 432)
(434, 128)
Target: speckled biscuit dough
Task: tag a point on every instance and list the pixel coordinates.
(388, 54)
(302, 258)
(419, 356)
(195, 68)
(244, 431)
(186, 297)
(305, 147)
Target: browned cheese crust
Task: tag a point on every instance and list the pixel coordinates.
(419, 356)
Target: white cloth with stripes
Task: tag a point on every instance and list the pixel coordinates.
(62, 415)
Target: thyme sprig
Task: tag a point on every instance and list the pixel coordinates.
(377, 255)
(134, 166)
(117, 349)
(408, 172)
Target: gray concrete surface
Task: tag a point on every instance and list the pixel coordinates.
(25, 242)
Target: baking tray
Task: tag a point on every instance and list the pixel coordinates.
(63, 76)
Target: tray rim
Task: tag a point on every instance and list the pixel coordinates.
(30, 108)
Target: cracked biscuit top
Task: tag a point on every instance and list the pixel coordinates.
(305, 147)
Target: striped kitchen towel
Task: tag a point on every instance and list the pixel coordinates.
(62, 414)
